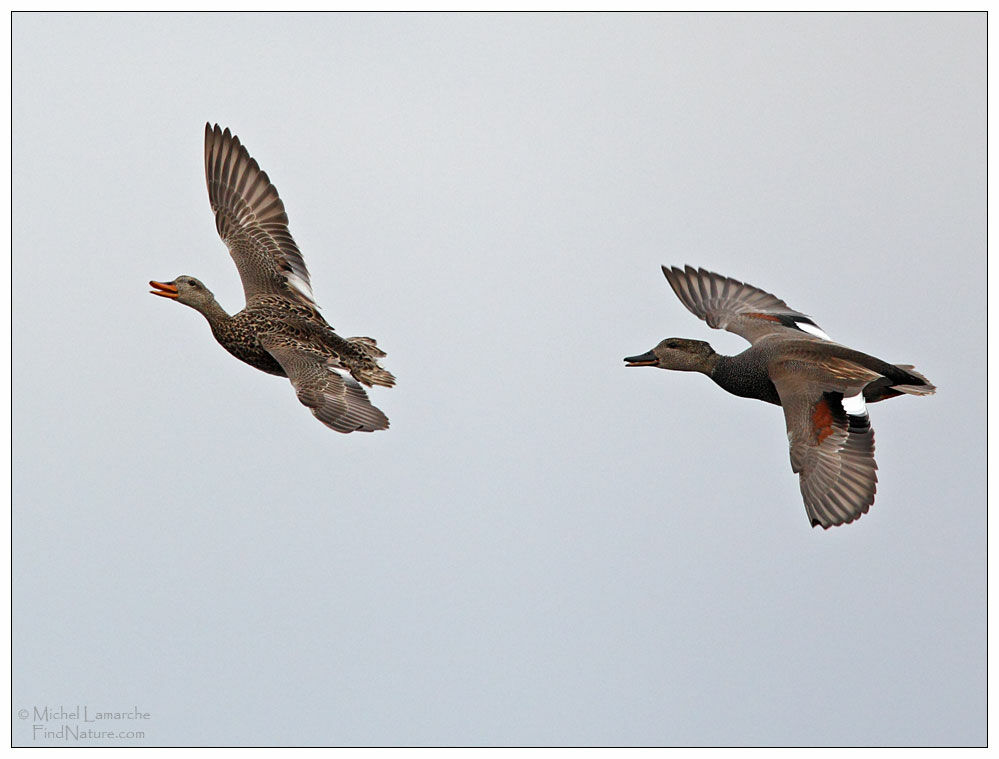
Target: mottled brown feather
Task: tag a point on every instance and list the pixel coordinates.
(280, 331)
(251, 220)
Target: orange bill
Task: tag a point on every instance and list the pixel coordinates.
(165, 289)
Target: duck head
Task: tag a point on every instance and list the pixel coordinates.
(187, 290)
(679, 354)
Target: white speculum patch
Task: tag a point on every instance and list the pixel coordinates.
(300, 284)
(813, 330)
(854, 405)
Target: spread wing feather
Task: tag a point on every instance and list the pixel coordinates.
(336, 400)
(726, 303)
(251, 220)
(832, 452)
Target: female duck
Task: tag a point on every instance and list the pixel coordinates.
(281, 330)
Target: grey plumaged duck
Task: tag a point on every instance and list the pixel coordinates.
(280, 331)
(821, 385)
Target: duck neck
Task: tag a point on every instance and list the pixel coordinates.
(724, 374)
(744, 375)
(709, 364)
(214, 313)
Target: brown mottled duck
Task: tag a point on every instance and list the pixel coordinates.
(821, 385)
(280, 331)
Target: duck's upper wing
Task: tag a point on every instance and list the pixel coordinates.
(336, 400)
(726, 303)
(251, 221)
(832, 449)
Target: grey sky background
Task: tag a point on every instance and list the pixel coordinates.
(546, 547)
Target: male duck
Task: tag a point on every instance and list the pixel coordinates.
(281, 330)
(821, 385)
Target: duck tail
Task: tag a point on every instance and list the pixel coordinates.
(362, 361)
(377, 376)
(368, 346)
(906, 380)
(917, 385)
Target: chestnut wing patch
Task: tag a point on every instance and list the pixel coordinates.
(822, 420)
(832, 452)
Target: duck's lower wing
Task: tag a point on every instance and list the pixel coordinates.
(336, 400)
(833, 453)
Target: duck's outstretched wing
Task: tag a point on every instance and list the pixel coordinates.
(251, 221)
(726, 303)
(336, 400)
(832, 451)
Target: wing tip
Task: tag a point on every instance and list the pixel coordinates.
(828, 517)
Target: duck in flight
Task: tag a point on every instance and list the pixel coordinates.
(280, 331)
(822, 386)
